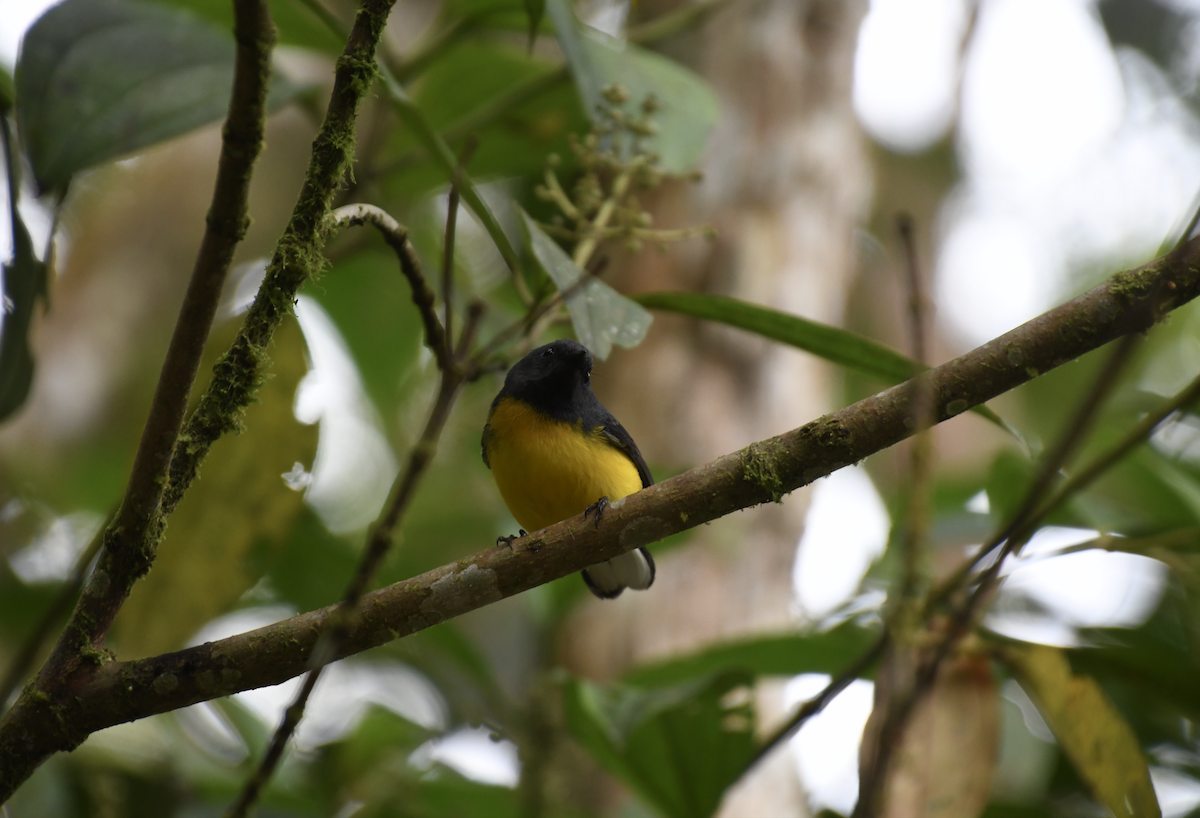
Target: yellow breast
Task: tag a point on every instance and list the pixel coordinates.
(548, 470)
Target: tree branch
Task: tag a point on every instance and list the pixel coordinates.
(124, 691)
(157, 484)
(131, 539)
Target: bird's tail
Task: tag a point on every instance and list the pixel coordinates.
(633, 570)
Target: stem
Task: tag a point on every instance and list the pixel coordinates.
(585, 248)
(921, 463)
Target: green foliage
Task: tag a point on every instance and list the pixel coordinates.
(678, 747)
(1101, 746)
(99, 79)
(689, 107)
(784, 655)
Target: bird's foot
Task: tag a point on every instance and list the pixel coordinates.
(508, 541)
(596, 508)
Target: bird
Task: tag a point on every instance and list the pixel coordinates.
(555, 451)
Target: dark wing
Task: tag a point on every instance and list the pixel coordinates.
(483, 443)
(615, 433)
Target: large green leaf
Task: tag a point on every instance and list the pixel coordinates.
(98, 79)
(783, 655)
(296, 23)
(601, 315)
(836, 345)
(1099, 743)
(687, 105)
(678, 747)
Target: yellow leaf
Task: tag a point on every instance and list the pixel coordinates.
(1099, 743)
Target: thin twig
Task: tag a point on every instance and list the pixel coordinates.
(819, 702)
(920, 466)
(423, 295)
(464, 156)
(381, 533)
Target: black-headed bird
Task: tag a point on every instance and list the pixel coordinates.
(555, 452)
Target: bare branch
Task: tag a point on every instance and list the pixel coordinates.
(423, 295)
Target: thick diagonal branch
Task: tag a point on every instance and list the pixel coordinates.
(125, 691)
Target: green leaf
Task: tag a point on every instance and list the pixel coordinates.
(24, 284)
(98, 79)
(679, 748)
(437, 148)
(295, 21)
(835, 345)
(1099, 743)
(535, 9)
(783, 655)
(601, 315)
(687, 105)
(246, 723)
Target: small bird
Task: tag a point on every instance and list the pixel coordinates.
(554, 452)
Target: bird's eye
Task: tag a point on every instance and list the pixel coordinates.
(587, 377)
(548, 353)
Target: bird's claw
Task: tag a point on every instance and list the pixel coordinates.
(508, 541)
(597, 508)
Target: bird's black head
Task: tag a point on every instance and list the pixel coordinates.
(555, 378)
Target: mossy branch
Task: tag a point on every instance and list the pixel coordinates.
(124, 691)
(168, 458)
(131, 539)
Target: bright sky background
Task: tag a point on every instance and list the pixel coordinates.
(1073, 153)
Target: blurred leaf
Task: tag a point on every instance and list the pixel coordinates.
(835, 345)
(1155, 664)
(516, 104)
(678, 747)
(245, 722)
(1008, 482)
(687, 105)
(433, 143)
(8, 94)
(296, 23)
(535, 9)
(784, 655)
(98, 79)
(312, 568)
(1099, 743)
(227, 527)
(447, 796)
(24, 284)
(380, 734)
(601, 315)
